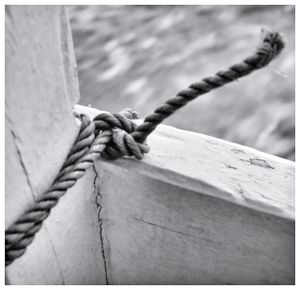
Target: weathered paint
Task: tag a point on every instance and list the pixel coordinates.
(218, 168)
(67, 250)
(197, 210)
(156, 232)
(179, 216)
(41, 88)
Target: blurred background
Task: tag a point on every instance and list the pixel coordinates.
(139, 56)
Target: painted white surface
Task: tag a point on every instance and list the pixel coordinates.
(67, 250)
(167, 219)
(41, 88)
(197, 210)
(155, 232)
(218, 168)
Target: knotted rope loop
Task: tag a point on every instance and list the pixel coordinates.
(122, 120)
(122, 143)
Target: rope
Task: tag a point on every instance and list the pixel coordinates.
(116, 135)
(270, 47)
(86, 149)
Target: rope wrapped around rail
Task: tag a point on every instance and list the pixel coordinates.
(115, 135)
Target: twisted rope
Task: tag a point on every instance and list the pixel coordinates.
(86, 149)
(270, 47)
(116, 135)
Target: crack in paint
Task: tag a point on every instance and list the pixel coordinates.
(100, 221)
(210, 241)
(258, 162)
(236, 150)
(160, 226)
(231, 167)
(15, 139)
(55, 256)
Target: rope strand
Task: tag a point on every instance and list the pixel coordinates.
(271, 46)
(85, 151)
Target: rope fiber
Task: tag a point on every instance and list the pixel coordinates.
(115, 135)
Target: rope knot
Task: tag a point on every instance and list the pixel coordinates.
(122, 142)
